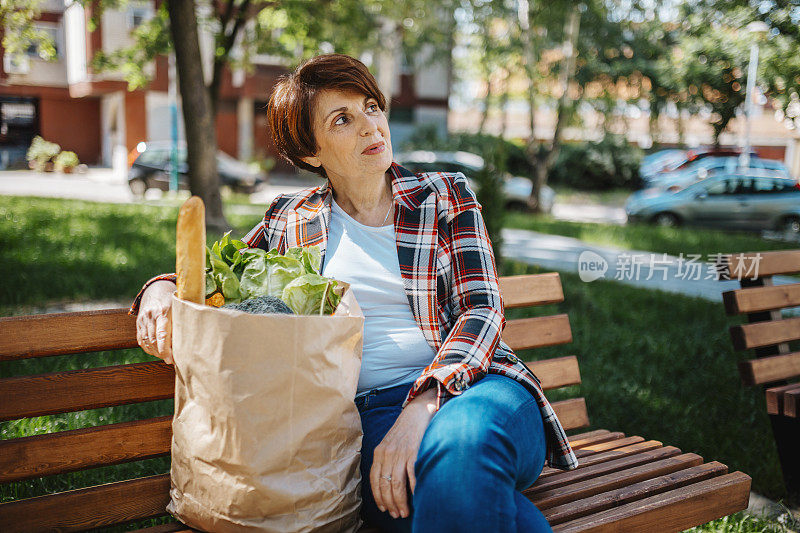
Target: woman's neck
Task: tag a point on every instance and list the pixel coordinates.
(368, 200)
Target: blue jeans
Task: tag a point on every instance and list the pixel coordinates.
(480, 450)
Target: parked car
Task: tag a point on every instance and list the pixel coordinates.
(752, 201)
(517, 188)
(704, 168)
(151, 170)
(657, 161)
(692, 156)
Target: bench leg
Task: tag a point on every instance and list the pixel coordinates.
(787, 438)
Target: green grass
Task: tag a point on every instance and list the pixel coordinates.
(673, 241)
(653, 364)
(54, 250)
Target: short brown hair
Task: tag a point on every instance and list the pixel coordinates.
(290, 107)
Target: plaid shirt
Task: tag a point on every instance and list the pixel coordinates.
(449, 275)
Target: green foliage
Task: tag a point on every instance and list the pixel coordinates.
(607, 164)
(66, 160)
(41, 152)
(17, 18)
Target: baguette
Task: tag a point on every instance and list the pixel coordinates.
(190, 251)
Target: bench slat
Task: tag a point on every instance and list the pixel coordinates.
(609, 445)
(769, 369)
(529, 290)
(756, 299)
(571, 477)
(614, 480)
(76, 390)
(599, 435)
(571, 413)
(637, 491)
(88, 508)
(557, 372)
(775, 397)
(675, 510)
(590, 459)
(538, 332)
(65, 333)
(791, 403)
(770, 263)
(760, 334)
(68, 451)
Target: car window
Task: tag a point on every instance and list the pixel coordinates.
(152, 157)
(740, 185)
(776, 185)
(716, 188)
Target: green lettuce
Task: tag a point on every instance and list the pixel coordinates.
(311, 294)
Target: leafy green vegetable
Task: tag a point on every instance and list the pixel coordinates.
(242, 273)
(311, 294)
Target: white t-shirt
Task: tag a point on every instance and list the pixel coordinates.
(395, 350)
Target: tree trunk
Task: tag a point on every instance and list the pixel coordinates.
(198, 117)
(546, 161)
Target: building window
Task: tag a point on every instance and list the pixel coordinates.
(52, 33)
(137, 15)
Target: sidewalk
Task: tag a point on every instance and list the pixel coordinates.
(666, 273)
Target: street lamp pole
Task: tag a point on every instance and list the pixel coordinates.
(757, 29)
(173, 113)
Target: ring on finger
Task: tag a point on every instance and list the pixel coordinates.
(387, 478)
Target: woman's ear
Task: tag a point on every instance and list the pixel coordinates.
(312, 160)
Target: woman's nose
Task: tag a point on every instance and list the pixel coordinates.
(368, 125)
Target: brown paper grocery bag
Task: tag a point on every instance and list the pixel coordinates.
(266, 435)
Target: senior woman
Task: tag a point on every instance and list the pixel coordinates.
(455, 425)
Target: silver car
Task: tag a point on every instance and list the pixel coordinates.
(752, 201)
(517, 189)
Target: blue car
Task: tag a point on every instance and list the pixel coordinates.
(756, 200)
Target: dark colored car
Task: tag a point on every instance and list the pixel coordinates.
(151, 170)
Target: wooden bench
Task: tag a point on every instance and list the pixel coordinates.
(623, 483)
(775, 366)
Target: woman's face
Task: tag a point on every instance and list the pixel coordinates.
(352, 134)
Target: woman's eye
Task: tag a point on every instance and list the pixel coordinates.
(339, 120)
(373, 108)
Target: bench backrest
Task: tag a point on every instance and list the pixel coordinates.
(76, 390)
(766, 332)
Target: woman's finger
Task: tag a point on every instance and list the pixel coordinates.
(163, 340)
(150, 336)
(398, 484)
(387, 491)
(375, 480)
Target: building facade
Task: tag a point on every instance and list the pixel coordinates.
(94, 114)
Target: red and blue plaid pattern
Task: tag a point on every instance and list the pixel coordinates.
(449, 275)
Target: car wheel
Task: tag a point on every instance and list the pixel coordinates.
(666, 220)
(790, 225)
(138, 187)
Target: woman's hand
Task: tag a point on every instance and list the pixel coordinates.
(396, 454)
(154, 321)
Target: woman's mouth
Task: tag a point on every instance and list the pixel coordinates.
(375, 148)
